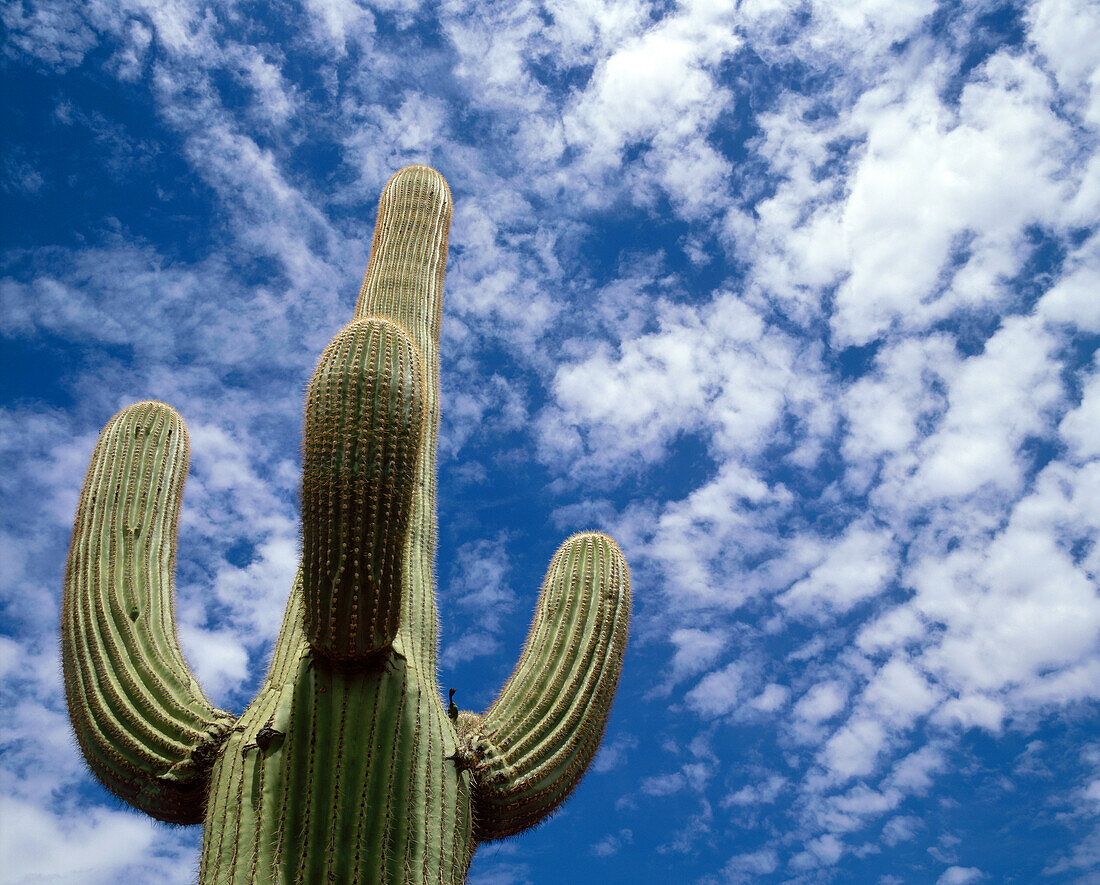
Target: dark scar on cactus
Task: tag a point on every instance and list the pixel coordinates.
(464, 758)
(265, 737)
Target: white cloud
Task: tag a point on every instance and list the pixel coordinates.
(54, 33)
(763, 793)
(1014, 610)
(658, 89)
(960, 876)
(771, 699)
(1066, 33)
(703, 543)
(717, 693)
(218, 658)
(696, 650)
(900, 829)
(338, 21)
(744, 867)
(856, 567)
(663, 784)
(614, 753)
(917, 223)
(100, 846)
(1079, 427)
(995, 400)
(479, 588)
(823, 851)
(1072, 300)
(273, 97)
(854, 749)
(899, 693)
(914, 773)
(721, 369)
(953, 166)
(822, 702)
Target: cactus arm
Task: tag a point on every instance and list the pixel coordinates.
(536, 741)
(364, 427)
(144, 726)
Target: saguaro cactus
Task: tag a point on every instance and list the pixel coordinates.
(346, 768)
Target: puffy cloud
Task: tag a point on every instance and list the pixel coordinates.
(900, 829)
(857, 566)
(721, 369)
(822, 702)
(717, 693)
(100, 845)
(1078, 428)
(762, 793)
(771, 699)
(746, 867)
(960, 876)
(823, 851)
(854, 749)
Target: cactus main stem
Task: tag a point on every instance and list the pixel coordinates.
(404, 284)
(352, 784)
(355, 786)
(346, 768)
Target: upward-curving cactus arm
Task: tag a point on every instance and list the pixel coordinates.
(145, 727)
(537, 739)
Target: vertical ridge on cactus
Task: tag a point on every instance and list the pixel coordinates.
(346, 767)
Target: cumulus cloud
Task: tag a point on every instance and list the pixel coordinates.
(822, 702)
(856, 566)
(717, 693)
(723, 370)
(960, 876)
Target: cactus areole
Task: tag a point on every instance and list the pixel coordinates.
(347, 767)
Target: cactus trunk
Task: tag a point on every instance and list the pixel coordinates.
(352, 783)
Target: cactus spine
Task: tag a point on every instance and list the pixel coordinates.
(346, 767)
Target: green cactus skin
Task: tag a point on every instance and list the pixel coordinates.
(346, 767)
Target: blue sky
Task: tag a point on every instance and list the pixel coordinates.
(797, 301)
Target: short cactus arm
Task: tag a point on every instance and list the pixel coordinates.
(536, 741)
(365, 418)
(144, 726)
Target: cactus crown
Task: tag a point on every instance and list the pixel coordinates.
(346, 767)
